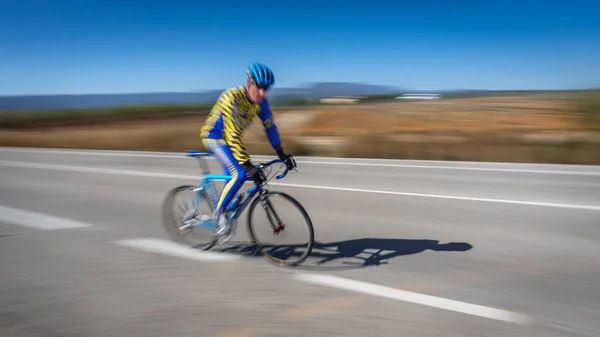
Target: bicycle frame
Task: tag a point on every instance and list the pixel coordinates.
(207, 184)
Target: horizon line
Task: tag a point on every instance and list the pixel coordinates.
(299, 87)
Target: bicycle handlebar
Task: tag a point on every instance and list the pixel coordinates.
(275, 161)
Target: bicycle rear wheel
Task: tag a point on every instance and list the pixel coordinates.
(277, 226)
(179, 220)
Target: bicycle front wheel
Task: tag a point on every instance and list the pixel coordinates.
(281, 217)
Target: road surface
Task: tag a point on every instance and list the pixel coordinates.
(411, 248)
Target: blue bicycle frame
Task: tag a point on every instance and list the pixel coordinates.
(238, 203)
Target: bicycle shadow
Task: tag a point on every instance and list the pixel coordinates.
(356, 253)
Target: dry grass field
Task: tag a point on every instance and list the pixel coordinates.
(517, 128)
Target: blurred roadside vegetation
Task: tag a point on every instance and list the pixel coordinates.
(586, 105)
(524, 126)
(67, 117)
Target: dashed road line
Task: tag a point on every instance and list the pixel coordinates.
(24, 218)
(170, 248)
(412, 297)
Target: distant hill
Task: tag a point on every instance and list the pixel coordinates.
(43, 102)
(328, 89)
(310, 91)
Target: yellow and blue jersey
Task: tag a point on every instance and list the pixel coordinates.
(232, 114)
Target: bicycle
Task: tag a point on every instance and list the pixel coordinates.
(206, 191)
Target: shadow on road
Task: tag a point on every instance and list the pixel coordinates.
(358, 252)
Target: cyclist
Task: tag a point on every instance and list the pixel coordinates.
(223, 130)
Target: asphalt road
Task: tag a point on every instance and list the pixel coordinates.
(406, 248)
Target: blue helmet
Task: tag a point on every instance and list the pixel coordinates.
(260, 74)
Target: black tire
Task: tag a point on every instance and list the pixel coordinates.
(262, 249)
(171, 224)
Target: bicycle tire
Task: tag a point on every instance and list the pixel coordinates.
(307, 219)
(171, 225)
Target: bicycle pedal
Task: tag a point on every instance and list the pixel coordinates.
(226, 235)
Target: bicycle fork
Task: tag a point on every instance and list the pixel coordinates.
(276, 223)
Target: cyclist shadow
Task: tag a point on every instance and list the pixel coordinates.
(356, 253)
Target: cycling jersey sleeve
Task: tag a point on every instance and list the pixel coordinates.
(266, 116)
(233, 137)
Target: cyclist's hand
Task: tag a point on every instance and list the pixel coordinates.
(288, 159)
(254, 173)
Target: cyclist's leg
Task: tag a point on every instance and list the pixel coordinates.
(231, 166)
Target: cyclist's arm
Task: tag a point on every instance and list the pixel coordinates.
(266, 116)
(227, 103)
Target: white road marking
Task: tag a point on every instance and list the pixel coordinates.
(439, 196)
(335, 161)
(112, 153)
(93, 170)
(582, 173)
(174, 249)
(36, 220)
(332, 188)
(412, 297)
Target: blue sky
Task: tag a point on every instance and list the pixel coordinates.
(86, 46)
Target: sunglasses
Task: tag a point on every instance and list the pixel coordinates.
(264, 87)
